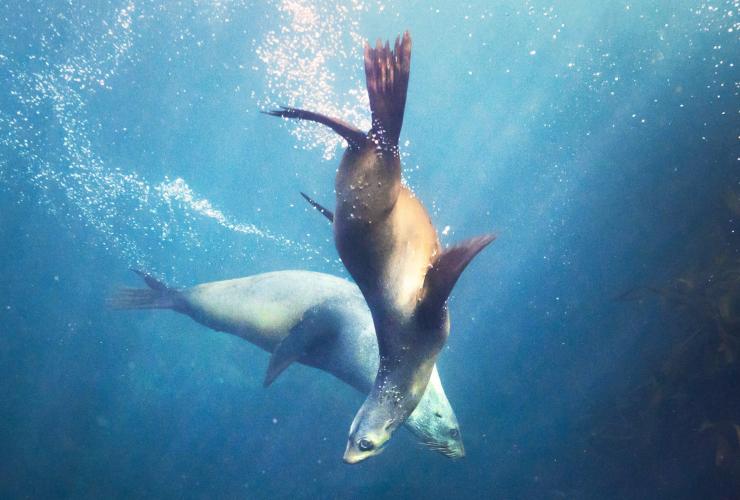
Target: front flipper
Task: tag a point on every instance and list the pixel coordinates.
(444, 273)
(316, 327)
(323, 210)
(354, 136)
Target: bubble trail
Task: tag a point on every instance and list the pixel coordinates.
(47, 143)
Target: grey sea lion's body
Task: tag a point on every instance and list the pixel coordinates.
(316, 319)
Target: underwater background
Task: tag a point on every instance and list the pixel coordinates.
(594, 345)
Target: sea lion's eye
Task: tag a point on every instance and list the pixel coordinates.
(454, 433)
(365, 445)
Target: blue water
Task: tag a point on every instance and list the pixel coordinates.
(598, 140)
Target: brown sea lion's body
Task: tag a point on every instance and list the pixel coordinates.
(388, 244)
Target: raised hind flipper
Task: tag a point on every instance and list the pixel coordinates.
(157, 296)
(354, 136)
(323, 210)
(387, 77)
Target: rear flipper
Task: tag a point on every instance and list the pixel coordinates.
(322, 210)
(157, 296)
(387, 76)
(354, 136)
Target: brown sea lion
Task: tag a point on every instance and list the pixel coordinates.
(388, 244)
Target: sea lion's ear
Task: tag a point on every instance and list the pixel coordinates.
(445, 271)
(312, 330)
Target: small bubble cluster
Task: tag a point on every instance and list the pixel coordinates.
(313, 42)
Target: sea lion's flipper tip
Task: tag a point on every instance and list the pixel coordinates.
(299, 342)
(323, 210)
(276, 367)
(285, 353)
(150, 281)
(387, 77)
(138, 272)
(447, 268)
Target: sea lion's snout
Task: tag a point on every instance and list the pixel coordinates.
(350, 457)
(455, 451)
(452, 447)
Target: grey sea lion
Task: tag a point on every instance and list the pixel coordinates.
(315, 319)
(388, 244)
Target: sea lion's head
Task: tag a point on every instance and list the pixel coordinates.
(435, 423)
(441, 435)
(432, 421)
(370, 431)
